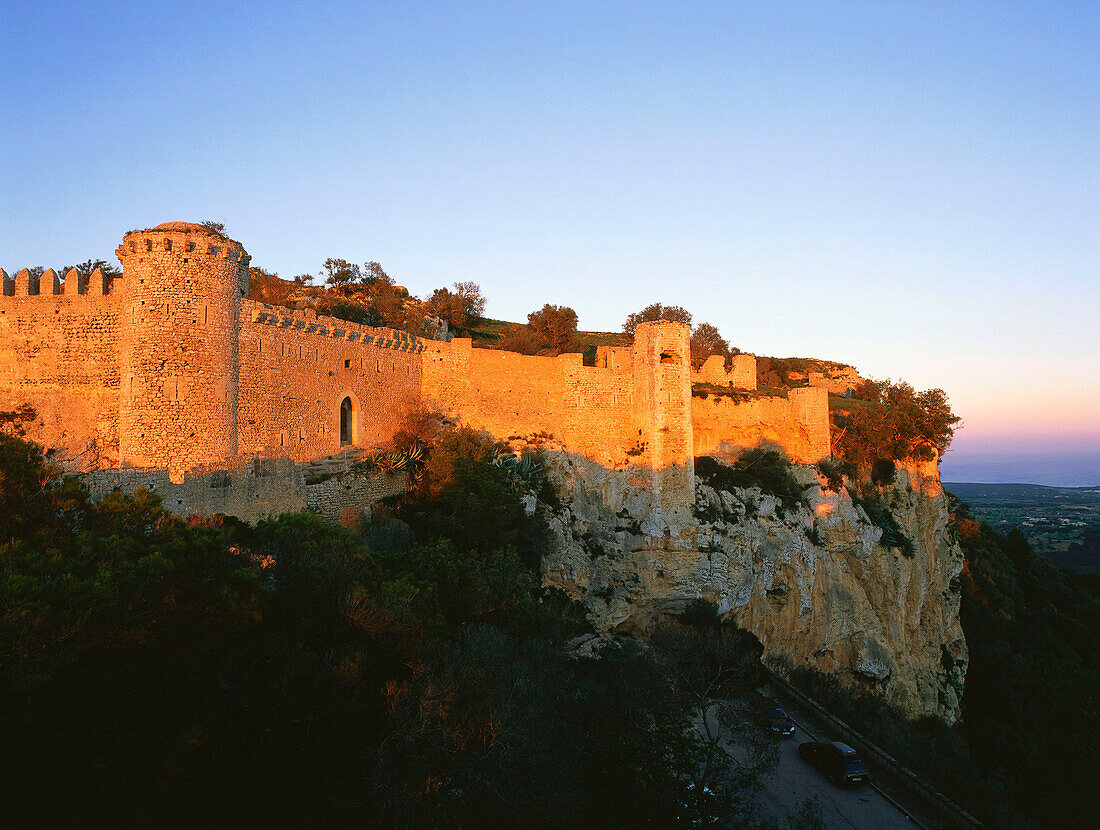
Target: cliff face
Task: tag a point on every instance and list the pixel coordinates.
(814, 582)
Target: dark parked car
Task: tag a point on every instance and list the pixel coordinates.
(779, 722)
(836, 761)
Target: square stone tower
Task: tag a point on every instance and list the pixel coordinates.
(661, 358)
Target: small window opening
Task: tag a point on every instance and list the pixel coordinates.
(669, 357)
(347, 363)
(346, 413)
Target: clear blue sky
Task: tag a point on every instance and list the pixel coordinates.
(913, 188)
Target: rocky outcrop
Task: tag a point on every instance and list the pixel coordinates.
(813, 581)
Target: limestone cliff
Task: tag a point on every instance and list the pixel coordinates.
(814, 581)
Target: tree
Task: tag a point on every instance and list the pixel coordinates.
(557, 324)
(341, 274)
(891, 420)
(653, 313)
(447, 306)
(473, 304)
(462, 307)
(216, 227)
(373, 274)
(85, 269)
(705, 342)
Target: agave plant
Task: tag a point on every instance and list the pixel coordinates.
(526, 470)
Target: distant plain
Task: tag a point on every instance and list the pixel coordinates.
(1061, 523)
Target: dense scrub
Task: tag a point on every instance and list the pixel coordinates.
(1034, 675)
(767, 469)
(413, 673)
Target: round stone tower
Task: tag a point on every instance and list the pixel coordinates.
(182, 285)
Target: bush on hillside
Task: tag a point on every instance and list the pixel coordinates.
(557, 325)
(764, 468)
(884, 472)
(363, 315)
(834, 471)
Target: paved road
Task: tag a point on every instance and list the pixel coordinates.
(843, 809)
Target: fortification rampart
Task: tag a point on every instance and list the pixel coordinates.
(797, 424)
(173, 369)
(310, 384)
(59, 351)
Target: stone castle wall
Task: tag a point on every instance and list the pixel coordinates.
(173, 368)
(586, 409)
(296, 367)
(60, 352)
(741, 374)
(797, 424)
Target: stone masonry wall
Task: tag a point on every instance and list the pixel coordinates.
(661, 358)
(253, 489)
(741, 375)
(587, 409)
(173, 368)
(798, 424)
(59, 353)
(296, 369)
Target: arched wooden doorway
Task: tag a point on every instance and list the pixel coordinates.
(347, 422)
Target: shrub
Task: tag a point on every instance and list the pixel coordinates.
(365, 316)
(879, 514)
(524, 340)
(767, 469)
(557, 325)
(834, 470)
(884, 472)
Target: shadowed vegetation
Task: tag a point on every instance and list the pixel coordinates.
(412, 673)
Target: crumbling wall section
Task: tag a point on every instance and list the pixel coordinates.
(741, 374)
(253, 489)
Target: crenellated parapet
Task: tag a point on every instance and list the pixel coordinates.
(333, 327)
(184, 242)
(49, 284)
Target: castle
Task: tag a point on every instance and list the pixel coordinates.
(171, 375)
